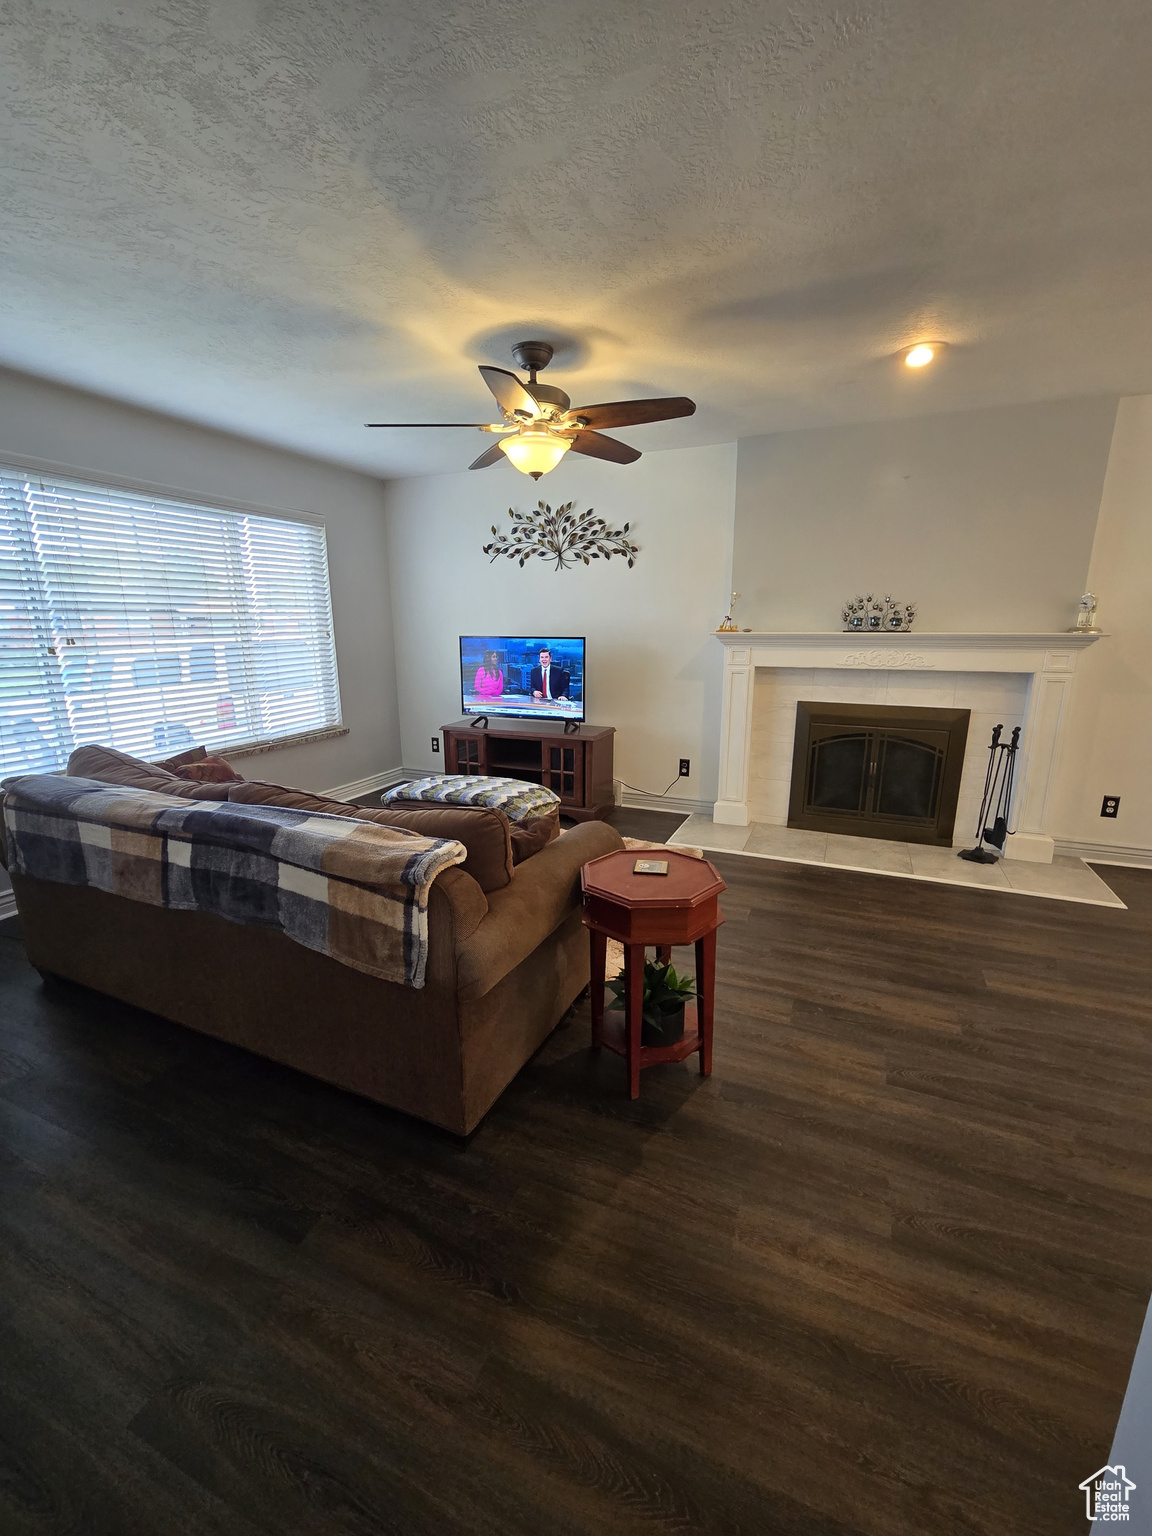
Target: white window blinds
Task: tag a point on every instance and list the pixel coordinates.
(153, 625)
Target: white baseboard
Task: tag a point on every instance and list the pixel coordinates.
(1105, 853)
(7, 905)
(374, 781)
(639, 801)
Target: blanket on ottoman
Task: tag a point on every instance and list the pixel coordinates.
(355, 890)
(517, 798)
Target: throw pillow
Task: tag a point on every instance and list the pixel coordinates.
(209, 770)
(182, 759)
(519, 800)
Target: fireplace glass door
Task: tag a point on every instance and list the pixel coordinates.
(878, 771)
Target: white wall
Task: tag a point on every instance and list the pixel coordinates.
(653, 666)
(984, 518)
(1108, 740)
(92, 436)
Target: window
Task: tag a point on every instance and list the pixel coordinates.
(151, 624)
(202, 663)
(152, 671)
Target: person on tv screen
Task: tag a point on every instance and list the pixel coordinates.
(549, 682)
(489, 682)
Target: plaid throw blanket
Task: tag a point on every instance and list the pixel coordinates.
(351, 889)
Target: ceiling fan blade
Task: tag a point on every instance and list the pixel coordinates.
(510, 393)
(632, 413)
(597, 446)
(426, 423)
(491, 455)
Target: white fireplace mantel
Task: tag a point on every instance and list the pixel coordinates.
(1048, 661)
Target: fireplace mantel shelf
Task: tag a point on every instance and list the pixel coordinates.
(906, 639)
(1047, 658)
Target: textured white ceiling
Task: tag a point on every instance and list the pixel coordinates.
(288, 217)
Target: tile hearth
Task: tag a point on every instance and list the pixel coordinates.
(1063, 880)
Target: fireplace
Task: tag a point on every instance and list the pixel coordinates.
(878, 770)
(1013, 679)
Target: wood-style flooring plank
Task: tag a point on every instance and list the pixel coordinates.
(881, 1275)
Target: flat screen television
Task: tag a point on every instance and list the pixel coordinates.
(531, 677)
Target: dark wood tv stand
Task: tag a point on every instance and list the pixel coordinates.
(576, 765)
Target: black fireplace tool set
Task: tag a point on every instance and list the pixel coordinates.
(997, 801)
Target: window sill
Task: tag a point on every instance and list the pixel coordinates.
(255, 748)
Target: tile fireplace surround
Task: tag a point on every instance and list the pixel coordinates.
(1017, 679)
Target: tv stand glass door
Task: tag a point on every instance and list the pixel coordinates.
(563, 770)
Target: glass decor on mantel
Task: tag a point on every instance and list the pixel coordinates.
(728, 623)
(1086, 617)
(871, 613)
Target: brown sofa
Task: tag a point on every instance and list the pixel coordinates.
(507, 957)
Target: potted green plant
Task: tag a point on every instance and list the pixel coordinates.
(662, 1011)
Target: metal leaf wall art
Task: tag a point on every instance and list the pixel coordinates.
(564, 536)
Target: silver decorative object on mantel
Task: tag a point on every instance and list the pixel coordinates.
(1086, 618)
(871, 614)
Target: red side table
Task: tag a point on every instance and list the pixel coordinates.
(640, 911)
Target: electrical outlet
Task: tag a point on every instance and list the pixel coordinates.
(685, 767)
(435, 743)
(1111, 806)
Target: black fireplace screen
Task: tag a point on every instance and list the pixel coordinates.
(878, 771)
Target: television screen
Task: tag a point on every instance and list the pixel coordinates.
(533, 676)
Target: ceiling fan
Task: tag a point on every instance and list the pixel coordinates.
(539, 425)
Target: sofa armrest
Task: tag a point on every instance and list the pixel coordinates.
(542, 892)
(465, 898)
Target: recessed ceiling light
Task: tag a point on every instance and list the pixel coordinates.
(921, 354)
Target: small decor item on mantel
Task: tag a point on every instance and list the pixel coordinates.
(1086, 618)
(870, 614)
(662, 1010)
(728, 624)
(563, 536)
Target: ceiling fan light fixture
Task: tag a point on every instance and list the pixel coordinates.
(535, 453)
(541, 424)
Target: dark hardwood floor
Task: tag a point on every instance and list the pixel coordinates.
(883, 1273)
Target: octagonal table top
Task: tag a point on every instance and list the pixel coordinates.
(689, 881)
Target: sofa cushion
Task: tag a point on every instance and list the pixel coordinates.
(193, 789)
(529, 837)
(485, 834)
(112, 767)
